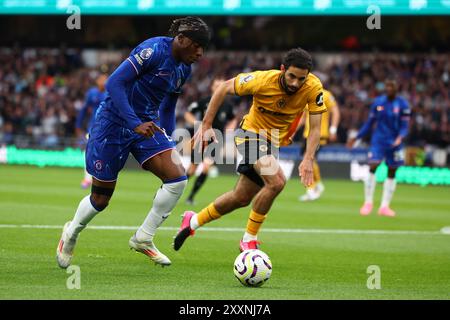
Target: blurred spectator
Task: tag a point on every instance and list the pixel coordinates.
(41, 90)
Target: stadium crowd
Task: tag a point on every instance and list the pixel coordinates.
(41, 90)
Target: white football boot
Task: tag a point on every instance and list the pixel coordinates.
(310, 195)
(64, 251)
(150, 250)
(320, 188)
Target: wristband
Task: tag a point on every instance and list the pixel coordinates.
(333, 130)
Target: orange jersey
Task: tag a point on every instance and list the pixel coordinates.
(273, 110)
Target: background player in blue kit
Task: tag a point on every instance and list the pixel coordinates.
(389, 118)
(94, 96)
(139, 92)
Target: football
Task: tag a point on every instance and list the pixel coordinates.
(252, 268)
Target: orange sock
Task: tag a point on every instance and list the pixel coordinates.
(255, 221)
(208, 214)
(316, 174)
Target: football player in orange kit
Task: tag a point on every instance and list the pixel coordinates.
(279, 96)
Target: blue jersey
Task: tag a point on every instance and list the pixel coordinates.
(143, 82)
(388, 120)
(93, 98)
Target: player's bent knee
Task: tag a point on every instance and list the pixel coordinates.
(277, 185)
(176, 186)
(100, 197)
(99, 202)
(391, 173)
(373, 168)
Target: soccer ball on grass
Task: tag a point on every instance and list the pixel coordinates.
(252, 268)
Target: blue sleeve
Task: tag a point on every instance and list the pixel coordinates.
(167, 112)
(405, 115)
(367, 127)
(82, 113)
(145, 56)
(116, 86)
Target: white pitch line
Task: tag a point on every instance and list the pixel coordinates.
(443, 231)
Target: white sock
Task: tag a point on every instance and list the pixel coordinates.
(388, 191)
(249, 237)
(83, 216)
(194, 222)
(369, 187)
(165, 200)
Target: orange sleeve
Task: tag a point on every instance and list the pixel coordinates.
(316, 103)
(248, 83)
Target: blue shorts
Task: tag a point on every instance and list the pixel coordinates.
(109, 145)
(394, 156)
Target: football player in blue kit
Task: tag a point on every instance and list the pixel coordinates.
(131, 119)
(94, 96)
(389, 123)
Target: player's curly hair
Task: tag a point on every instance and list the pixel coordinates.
(192, 27)
(298, 58)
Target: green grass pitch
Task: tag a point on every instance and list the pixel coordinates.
(413, 256)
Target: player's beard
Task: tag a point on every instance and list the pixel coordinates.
(286, 87)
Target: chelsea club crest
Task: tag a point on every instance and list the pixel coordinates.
(146, 53)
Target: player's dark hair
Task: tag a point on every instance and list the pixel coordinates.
(192, 27)
(298, 58)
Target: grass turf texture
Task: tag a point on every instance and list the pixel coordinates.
(306, 265)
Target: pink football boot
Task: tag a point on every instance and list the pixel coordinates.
(185, 230)
(243, 246)
(366, 209)
(386, 211)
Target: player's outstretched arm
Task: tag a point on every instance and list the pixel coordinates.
(305, 168)
(217, 99)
